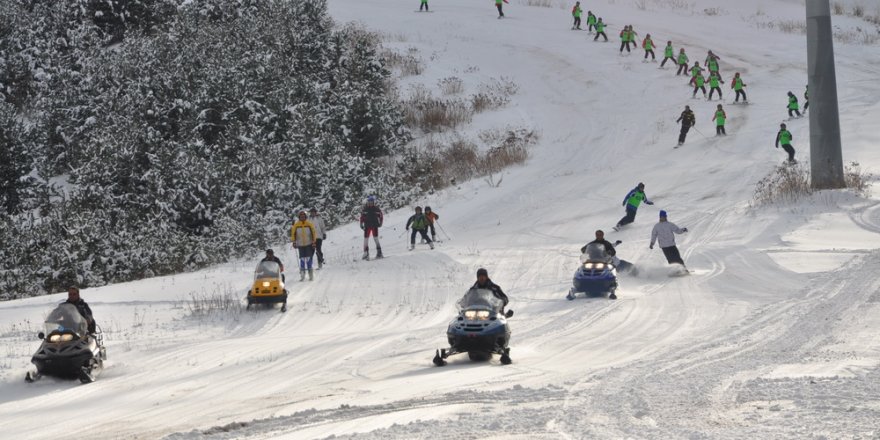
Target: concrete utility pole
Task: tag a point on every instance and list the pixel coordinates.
(825, 155)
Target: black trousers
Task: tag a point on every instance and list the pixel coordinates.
(672, 255)
(433, 231)
(806, 106)
(602, 34)
(663, 63)
(684, 133)
(624, 44)
(318, 250)
(424, 232)
(790, 150)
(500, 12)
(682, 68)
(577, 22)
(743, 93)
(796, 111)
(703, 88)
(650, 51)
(591, 27)
(711, 91)
(423, 5)
(719, 129)
(629, 217)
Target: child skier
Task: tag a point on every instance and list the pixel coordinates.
(424, 5)
(699, 84)
(591, 21)
(648, 45)
(371, 221)
(711, 63)
(682, 62)
(739, 87)
(720, 118)
(714, 79)
(576, 14)
(600, 30)
(624, 39)
(419, 224)
(668, 54)
(793, 105)
(784, 137)
(499, 6)
(696, 70)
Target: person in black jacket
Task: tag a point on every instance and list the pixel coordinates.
(270, 256)
(371, 220)
(600, 238)
(687, 120)
(483, 282)
(81, 306)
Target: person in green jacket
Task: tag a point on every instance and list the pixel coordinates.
(668, 54)
(720, 118)
(419, 224)
(424, 5)
(682, 62)
(600, 30)
(699, 84)
(784, 137)
(711, 64)
(793, 106)
(499, 5)
(696, 70)
(739, 87)
(714, 80)
(648, 45)
(633, 199)
(576, 13)
(624, 39)
(591, 21)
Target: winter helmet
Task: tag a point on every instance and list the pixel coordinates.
(371, 199)
(483, 272)
(662, 214)
(782, 125)
(640, 185)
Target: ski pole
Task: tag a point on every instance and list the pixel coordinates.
(701, 134)
(442, 230)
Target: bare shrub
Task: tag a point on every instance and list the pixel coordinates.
(539, 3)
(495, 94)
(792, 26)
(837, 8)
(858, 11)
(452, 85)
(714, 11)
(857, 36)
(423, 111)
(790, 183)
(222, 301)
(408, 63)
(856, 179)
(679, 5)
(641, 5)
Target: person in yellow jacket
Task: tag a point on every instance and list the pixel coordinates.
(304, 239)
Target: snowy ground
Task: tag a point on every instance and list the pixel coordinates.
(774, 336)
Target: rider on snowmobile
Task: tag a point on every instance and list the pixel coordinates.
(483, 282)
(609, 248)
(81, 306)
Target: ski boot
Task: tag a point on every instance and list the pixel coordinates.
(412, 246)
(439, 358)
(320, 265)
(612, 296)
(431, 244)
(505, 357)
(311, 275)
(367, 255)
(379, 254)
(302, 274)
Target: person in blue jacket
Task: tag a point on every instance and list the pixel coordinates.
(632, 201)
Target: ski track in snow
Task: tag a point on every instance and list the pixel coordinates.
(741, 348)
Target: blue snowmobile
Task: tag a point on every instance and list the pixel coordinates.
(597, 274)
(480, 329)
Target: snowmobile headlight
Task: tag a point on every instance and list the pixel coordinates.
(476, 315)
(599, 266)
(266, 284)
(61, 338)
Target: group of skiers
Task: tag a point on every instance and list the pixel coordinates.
(307, 234)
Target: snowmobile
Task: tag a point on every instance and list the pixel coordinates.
(597, 274)
(68, 350)
(480, 329)
(268, 287)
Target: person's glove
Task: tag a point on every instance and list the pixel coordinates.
(684, 229)
(651, 246)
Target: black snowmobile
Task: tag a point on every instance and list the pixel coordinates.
(480, 329)
(68, 350)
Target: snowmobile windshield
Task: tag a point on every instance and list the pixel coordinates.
(268, 269)
(595, 252)
(66, 319)
(480, 298)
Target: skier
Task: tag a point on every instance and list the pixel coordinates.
(664, 234)
(632, 201)
(82, 307)
(648, 45)
(739, 87)
(320, 233)
(720, 118)
(483, 282)
(696, 70)
(424, 5)
(687, 120)
(419, 224)
(576, 13)
(270, 256)
(682, 62)
(600, 30)
(591, 21)
(784, 137)
(624, 39)
(371, 221)
(806, 97)
(714, 79)
(499, 6)
(712, 64)
(668, 54)
(793, 105)
(699, 84)
(303, 236)
(432, 217)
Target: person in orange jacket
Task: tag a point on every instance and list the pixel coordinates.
(432, 217)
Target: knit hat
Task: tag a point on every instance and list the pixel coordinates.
(662, 214)
(482, 271)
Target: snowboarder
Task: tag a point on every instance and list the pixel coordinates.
(591, 21)
(668, 54)
(806, 97)
(600, 30)
(720, 118)
(432, 217)
(648, 45)
(739, 87)
(632, 201)
(424, 5)
(499, 5)
(664, 234)
(711, 63)
(696, 70)
(576, 12)
(371, 221)
(483, 282)
(419, 224)
(687, 120)
(714, 81)
(699, 84)
(793, 106)
(81, 306)
(320, 233)
(303, 236)
(784, 137)
(682, 62)
(270, 256)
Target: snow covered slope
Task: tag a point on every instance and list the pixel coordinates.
(774, 335)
